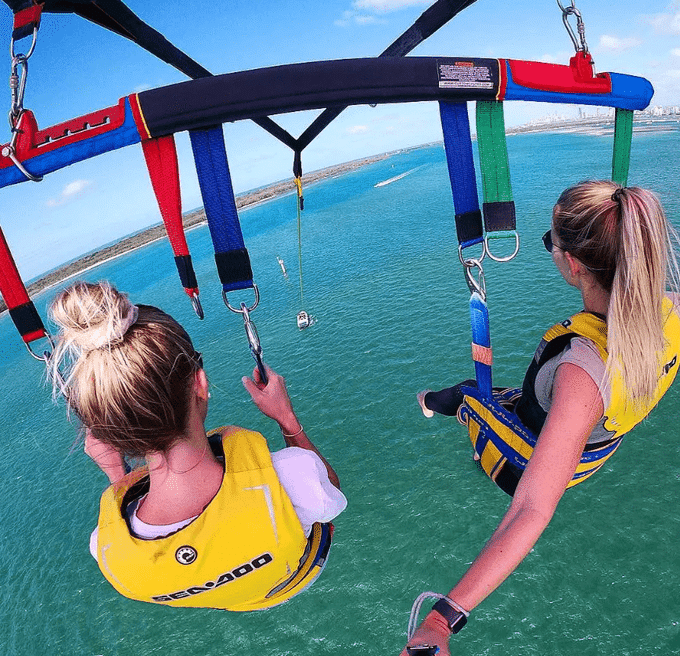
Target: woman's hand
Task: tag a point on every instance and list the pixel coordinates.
(107, 458)
(272, 399)
(432, 631)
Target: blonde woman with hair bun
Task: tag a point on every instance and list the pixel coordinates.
(593, 378)
(212, 519)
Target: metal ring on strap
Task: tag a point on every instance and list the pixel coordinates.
(501, 235)
(464, 261)
(244, 308)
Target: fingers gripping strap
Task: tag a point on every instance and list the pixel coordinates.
(623, 135)
(161, 160)
(499, 207)
(458, 147)
(231, 256)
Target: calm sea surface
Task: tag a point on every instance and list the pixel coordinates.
(382, 277)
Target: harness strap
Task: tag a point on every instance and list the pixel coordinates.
(481, 343)
(26, 20)
(231, 255)
(21, 308)
(459, 159)
(161, 160)
(499, 207)
(623, 137)
(499, 436)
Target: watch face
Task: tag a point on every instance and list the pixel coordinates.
(422, 650)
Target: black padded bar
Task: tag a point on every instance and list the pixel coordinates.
(295, 87)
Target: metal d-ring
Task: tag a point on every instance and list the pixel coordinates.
(239, 310)
(507, 258)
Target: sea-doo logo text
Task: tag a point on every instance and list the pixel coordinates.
(186, 555)
(235, 573)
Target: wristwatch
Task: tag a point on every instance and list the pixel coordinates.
(456, 619)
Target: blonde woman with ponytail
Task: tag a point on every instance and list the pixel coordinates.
(209, 520)
(593, 378)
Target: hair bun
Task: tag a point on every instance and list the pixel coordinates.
(93, 316)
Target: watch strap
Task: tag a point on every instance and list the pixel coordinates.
(456, 619)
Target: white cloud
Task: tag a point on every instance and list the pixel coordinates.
(385, 6)
(69, 192)
(357, 129)
(666, 23)
(349, 17)
(675, 52)
(610, 43)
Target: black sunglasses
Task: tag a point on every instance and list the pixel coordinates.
(548, 242)
(198, 358)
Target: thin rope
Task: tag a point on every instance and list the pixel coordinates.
(415, 611)
(299, 230)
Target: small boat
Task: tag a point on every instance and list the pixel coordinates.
(283, 266)
(303, 320)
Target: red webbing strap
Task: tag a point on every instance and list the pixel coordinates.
(21, 308)
(161, 160)
(26, 20)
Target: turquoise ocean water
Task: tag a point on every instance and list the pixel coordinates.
(383, 279)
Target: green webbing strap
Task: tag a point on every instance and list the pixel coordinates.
(498, 206)
(623, 136)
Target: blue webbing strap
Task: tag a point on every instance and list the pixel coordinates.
(481, 335)
(458, 147)
(231, 256)
(469, 227)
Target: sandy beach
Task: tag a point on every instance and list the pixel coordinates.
(596, 126)
(190, 220)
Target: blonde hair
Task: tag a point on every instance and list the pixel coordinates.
(127, 371)
(622, 236)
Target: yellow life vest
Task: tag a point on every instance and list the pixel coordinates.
(245, 551)
(500, 437)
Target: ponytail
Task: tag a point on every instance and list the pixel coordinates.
(622, 236)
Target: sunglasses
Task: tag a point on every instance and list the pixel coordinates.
(198, 358)
(548, 242)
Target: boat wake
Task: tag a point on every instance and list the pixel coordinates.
(397, 177)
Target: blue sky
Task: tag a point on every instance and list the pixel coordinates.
(78, 67)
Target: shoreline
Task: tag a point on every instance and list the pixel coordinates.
(191, 220)
(594, 126)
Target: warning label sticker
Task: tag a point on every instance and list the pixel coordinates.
(465, 74)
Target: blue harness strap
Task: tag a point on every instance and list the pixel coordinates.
(458, 147)
(231, 255)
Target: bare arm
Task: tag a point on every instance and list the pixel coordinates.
(577, 407)
(272, 399)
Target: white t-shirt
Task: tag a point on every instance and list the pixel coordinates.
(304, 478)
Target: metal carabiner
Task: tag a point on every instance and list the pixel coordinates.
(571, 10)
(17, 87)
(251, 331)
(507, 258)
(196, 304)
(475, 284)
